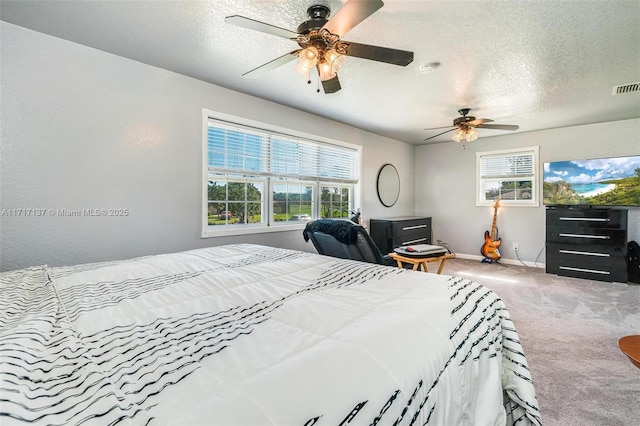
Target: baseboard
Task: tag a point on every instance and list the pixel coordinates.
(505, 261)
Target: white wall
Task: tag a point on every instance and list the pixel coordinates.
(446, 176)
(84, 129)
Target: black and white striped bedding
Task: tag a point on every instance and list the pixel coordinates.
(253, 335)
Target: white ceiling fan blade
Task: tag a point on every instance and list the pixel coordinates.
(437, 128)
(252, 24)
(435, 136)
(351, 14)
(271, 65)
(479, 121)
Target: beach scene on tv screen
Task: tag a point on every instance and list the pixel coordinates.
(601, 182)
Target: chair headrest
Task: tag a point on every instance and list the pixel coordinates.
(342, 230)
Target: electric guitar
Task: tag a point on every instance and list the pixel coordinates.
(490, 248)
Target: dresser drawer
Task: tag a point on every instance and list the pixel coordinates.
(411, 232)
(594, 250)
(615, 274)
(593, 271)
(587, 218)
(584, 256)
(390, 233)
(591, 236)
(585, 242)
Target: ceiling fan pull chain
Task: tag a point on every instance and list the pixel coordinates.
(318, 87)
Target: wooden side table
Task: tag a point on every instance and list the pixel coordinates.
(420, 261)
(630, 346)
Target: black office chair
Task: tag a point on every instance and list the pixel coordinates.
(344, 239)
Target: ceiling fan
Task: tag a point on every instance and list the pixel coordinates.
(465, 127)
(320, 44)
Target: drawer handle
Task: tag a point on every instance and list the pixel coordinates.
(419, 240)
(585, 253)
(587, 219)
(408, 228)
(597, 237)
(592, 271)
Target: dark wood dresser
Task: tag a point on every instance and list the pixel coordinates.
(587, 243)
(389, 233)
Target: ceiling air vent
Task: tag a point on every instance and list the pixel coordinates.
(626, 88)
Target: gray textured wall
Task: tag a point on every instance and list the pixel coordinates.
(84, 129)
(445, 185)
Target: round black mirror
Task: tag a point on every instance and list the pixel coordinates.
(388, 185)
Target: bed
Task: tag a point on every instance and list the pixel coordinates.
(253, 335)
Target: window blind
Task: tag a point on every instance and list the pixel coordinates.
(507, 165)
(245, 150)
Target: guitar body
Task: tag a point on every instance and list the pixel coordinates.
(491, 247)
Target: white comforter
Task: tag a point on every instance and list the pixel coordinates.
(253, 335)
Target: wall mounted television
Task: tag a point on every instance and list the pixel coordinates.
(597, 182)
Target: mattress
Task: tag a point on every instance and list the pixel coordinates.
(255, 335)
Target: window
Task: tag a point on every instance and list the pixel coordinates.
(259, 178)
(510, 175)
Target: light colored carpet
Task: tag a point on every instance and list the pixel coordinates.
(569, 329)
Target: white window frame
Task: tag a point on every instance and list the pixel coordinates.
(331, 185)
(534, 201)
(268, 225)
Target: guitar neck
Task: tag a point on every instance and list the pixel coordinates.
(493, 224)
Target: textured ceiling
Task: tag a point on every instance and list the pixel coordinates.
(538, 64)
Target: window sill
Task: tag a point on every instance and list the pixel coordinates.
(247, 230)
(504, 203)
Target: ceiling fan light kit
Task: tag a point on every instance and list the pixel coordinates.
(464, 127)
(320, 46)
(323, 51)
(308, 57)
(467, 134)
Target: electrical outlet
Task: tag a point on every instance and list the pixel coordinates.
(515, 247)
